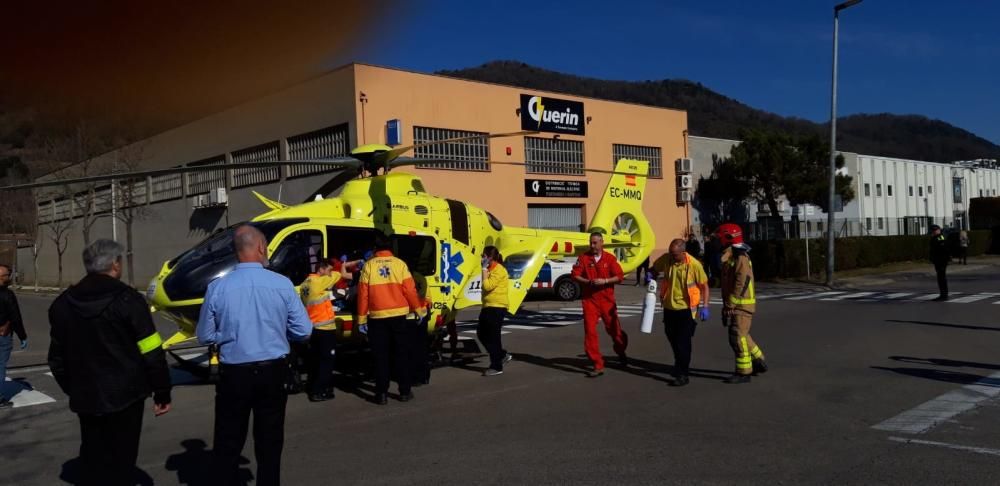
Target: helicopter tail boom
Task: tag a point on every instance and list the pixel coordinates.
(620, 217)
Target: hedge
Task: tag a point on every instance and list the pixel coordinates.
(787, 258)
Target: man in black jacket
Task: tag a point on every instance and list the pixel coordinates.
(940, 257)
(107, 356)
(10, 324)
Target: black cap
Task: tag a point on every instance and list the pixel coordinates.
(935, 227)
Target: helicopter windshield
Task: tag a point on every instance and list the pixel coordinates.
(192, 271)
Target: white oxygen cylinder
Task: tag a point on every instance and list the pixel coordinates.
(649, 308)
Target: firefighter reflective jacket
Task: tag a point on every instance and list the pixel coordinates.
(738, 281)
(386, 289)
(315, 293)
(495, 286)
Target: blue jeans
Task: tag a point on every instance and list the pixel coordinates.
(6, 346)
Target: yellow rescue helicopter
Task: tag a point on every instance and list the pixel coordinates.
(440, 239)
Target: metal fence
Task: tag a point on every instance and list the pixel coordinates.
(773, 229)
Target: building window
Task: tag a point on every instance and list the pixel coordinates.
(553, 156)
(956, 189)
(881, 223)
(868, 224)
(878, 190)
(930, 190)
(639, 152)
(920, 191)
(256, 175)
(320, 144)
(204, 181)
(555, 217)
(911, 191)
(888, 190)
(819, 226)
(472, 154)
(868, 189)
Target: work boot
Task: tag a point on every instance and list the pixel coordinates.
(759, 366)
(623, 360)
(594, 373)
(941, 298)
(492, 372)
(737, 379)
(381, 399)
(508, 358)
(320, 397)
(5, 403)
(405, 397)
(680, 380)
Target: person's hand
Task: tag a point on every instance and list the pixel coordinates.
(161, 409)
(24, 344)
(485, 261)
(343, 258)
(363, 329)
(703, 313)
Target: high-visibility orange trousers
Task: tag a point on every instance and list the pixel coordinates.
(745, 349)
(607, 312)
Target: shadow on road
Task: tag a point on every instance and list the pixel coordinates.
(72, 473)
(943, 375)
(637, 367)
(945, 362)
(193, 466)
(944, 324)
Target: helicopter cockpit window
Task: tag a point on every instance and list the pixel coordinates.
(419, 253)
(418, 186)
(494, 222)
(193, 270)
(516, 263)
(297, 255)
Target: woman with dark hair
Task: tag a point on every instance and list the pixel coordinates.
(495, 283)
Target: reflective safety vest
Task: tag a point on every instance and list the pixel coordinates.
(690, 280)
(316, 297)
(747, 296)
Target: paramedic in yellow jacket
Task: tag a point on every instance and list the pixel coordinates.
(684, 295)
(315, 291)
(388, 308)
(739, 301)
(495, 283)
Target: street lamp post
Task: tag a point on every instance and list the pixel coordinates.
(833, 143)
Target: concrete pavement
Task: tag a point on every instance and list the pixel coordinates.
(842, 364)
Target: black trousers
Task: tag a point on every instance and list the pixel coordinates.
(488, 332)
(420, 364)
(323, 348)
(942, 278)
(391, 341)
(680, 326)
(109, 446)
(242, 389)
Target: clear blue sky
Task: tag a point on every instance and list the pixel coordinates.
(939, 59)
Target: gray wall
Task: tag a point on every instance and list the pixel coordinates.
(168, 229)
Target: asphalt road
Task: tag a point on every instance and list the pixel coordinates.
(871, 387)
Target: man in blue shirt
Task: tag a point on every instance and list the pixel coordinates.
(250, 315)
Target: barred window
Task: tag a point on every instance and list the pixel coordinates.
(169, 186)
(256, 175)
(320, 144)
(204, 181)
(465, 155)
(553, 156)
(639, 152)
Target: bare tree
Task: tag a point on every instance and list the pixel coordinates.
(36, 248)
(59, 235)
(130, 196)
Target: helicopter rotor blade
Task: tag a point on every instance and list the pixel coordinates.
(344, 162)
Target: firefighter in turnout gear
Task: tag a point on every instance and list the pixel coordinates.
(739, 303)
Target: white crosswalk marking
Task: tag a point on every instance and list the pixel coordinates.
(811, 296)
(522, 327)
(851, 296)
(971, 298)
(928, 297)
(892, 296)
(473, 332)
(23, 395)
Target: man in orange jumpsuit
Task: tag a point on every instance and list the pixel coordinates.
(598, 271)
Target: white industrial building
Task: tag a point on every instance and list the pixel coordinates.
(892, 196)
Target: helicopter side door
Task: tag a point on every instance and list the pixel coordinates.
(297, 252)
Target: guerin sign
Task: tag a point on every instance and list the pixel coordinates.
(551, 115)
